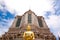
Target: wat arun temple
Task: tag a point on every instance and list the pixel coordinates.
(29, 26)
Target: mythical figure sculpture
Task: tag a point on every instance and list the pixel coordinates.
(28, 35)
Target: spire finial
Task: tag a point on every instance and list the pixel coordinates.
(29, 8)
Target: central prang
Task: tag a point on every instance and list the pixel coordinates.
(28, 35)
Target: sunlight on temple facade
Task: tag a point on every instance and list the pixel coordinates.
(28, 24)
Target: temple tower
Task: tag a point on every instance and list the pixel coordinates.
(37, 23)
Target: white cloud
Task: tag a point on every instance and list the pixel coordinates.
(1, 1)
(4, 29)
(4, 7)
(5, 24)
(54, 20)
(59, 34)
(54, 24)
(38, 6)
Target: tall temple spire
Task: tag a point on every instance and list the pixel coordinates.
(28, 24)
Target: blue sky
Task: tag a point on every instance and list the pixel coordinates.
(50, 9)
(6, 18)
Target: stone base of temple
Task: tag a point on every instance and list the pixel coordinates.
(41, 34)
